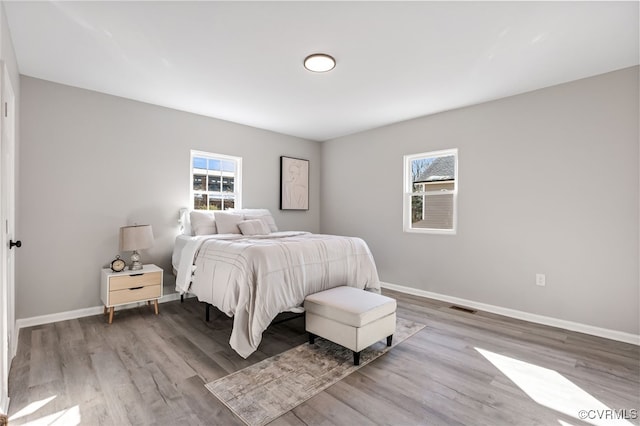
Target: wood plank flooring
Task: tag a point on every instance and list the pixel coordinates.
(462, 369)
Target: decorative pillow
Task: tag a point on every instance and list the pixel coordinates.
(227, 223)
(266, 218)
(253, 227)
(202, 222)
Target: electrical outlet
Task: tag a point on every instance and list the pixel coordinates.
(541, 280)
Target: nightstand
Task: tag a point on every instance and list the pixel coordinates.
(119, 288)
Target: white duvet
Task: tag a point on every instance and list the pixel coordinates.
(255, 278)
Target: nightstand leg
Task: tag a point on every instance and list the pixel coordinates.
(111, 314)
(155, 303)
(106, 310)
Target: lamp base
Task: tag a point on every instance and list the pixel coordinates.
(136, 265)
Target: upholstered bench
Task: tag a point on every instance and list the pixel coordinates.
(350, 317)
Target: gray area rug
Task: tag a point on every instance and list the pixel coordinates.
(268, 389)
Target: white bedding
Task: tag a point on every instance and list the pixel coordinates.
(255, 278)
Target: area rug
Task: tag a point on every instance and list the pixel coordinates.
(268, 389)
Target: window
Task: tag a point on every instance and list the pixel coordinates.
(431, 192)
(215, 181)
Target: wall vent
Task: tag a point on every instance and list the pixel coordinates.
(463, 309)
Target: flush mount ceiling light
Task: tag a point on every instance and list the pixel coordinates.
(319, 62)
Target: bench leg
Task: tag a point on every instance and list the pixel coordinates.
(312, 338)
(207, 312)
(389, 340)
(356, 358)
(182, 298)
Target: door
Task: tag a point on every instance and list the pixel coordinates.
(7, 250)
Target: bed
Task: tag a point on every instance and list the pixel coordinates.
(240, 263)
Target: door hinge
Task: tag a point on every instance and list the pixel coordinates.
(5, 109)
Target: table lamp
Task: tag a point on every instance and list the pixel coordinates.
(134, 238)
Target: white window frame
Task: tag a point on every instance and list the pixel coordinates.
(408, 193)
(237, 183)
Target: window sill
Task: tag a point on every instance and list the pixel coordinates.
(430, 231)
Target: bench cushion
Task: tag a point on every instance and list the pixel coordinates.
(350, 305)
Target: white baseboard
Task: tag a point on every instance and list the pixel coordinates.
(4, 406)
(14, 342)
(79, 313)
(526, 316)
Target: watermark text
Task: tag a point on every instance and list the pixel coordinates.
(608, 414)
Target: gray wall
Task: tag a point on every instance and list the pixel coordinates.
(548, 183)
(91, 163)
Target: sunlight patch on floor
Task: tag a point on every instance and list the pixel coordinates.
(551, 389)
(68, 417)
(32, 408)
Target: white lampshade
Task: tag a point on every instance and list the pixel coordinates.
(137, 237)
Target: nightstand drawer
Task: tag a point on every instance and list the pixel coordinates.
(135, 294)
(130, 281)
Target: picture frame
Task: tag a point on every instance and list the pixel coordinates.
(294, 183)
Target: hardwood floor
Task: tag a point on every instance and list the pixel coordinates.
(472, 369)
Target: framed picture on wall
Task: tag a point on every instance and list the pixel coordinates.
(294, 184)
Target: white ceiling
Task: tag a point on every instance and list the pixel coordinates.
(242, 61)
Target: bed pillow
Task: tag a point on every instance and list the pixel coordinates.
(202, 222)
(253, 227)
(227, 223)
(266, 218)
